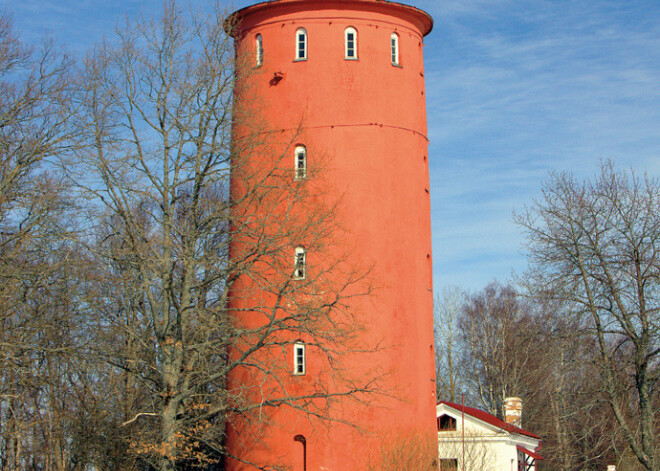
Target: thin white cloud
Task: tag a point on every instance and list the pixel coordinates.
(522, 89)
(514, 88)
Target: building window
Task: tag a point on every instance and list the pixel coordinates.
(350, 50)
(260, 50)
(301, 162)
(394, 44)
(301, 44)
(446, 423)
(300, 264)
(299, 358)
(449, 464)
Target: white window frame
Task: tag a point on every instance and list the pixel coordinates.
(259, 44)
(299, 359)
(300, 162)
(353, 31)
(394, 49)
(299, 32)
(300, 263)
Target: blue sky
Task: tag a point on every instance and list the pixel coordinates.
(515, 89)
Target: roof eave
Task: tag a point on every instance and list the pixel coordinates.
(230, 23)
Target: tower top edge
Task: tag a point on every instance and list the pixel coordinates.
(424, 20)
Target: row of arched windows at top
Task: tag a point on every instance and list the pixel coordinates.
(350, 46)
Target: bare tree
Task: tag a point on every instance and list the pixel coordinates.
(563, 404)
(533, 348)
(495, 332)
(174, 239)
(593, 246)
(446, 312)
(34, 115)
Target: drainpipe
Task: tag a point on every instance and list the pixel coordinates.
(463, 427)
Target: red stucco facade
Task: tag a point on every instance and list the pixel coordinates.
(365, 119)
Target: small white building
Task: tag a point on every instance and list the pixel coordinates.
(485, 443)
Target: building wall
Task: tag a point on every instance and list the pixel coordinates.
(486, 448)
(364, 125)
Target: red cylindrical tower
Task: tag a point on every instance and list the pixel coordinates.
(337, 88)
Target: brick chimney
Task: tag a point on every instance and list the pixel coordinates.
(513, 411)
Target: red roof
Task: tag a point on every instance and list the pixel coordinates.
(491, 419)
(534, 455)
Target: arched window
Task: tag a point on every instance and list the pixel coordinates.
(259, 50)
(303, 440)
(301, 44)
(394, 44)
(299, 358)
(300, 264)
(350, 49)
(300, 163)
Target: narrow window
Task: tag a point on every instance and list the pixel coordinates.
(301, 44)
(303, 440)
(446, 423)
(394, 43)
(260, 50)
(300, 264)
(350, 36)
(301, 162)
(299, 358)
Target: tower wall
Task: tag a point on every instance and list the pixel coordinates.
(365, 120)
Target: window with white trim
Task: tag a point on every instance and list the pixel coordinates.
(300, 264)
(300, 163)
(259, 43)
(350, 43)
(394, 45)
(301, 44)
(299, 358)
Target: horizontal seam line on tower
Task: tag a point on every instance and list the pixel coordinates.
(402, 128)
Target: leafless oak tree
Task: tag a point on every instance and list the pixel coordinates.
(447, 308)
(172, 239)
(594, 247)
(495, 330)
(34, 302)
